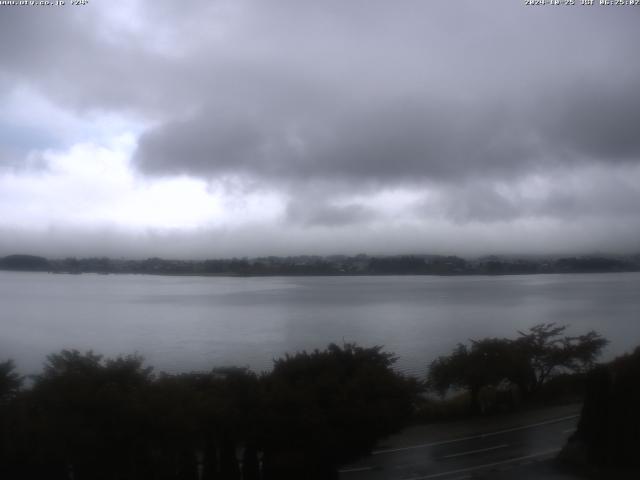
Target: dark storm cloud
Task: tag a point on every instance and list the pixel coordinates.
(393, 141)
(403, 140)
(345, 97)
(595, 120)
(362, 90)
(549, 90)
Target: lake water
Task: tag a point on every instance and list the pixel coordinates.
(187, 323)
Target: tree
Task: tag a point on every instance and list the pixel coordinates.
(86, 415)
(528, 361)
(10, 381)
(486, 362)
(202, 420)
(608, 432)
(547, 352)
(327, 407)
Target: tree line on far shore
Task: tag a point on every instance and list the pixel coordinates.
(328, 265)
(89, 417)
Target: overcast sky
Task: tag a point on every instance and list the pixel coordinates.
(238, 127)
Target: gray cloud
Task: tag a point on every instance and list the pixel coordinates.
(570, 195)
(394, 141)
(484, 102)
(323, 214)
(596, 119)
(355, 97)
(476, 203)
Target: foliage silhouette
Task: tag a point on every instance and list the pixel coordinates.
(87, 417)
(328, 407)
(607, 439)
(547, 352)
(486, 362)
(527, 362)
(10, 381)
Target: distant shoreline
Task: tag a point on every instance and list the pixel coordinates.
(334, 266)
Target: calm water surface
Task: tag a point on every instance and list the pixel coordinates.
(186, 323)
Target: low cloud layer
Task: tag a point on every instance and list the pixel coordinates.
(309, 123)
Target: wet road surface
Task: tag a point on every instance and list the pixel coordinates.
(465, 456)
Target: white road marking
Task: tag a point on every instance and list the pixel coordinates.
(485, 465)
(357, 469)
(569, 430)
(407, 465)
(474, 437)
(471, 452)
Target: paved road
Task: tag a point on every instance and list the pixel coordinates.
(467, 456)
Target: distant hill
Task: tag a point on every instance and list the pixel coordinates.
(30, 263)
